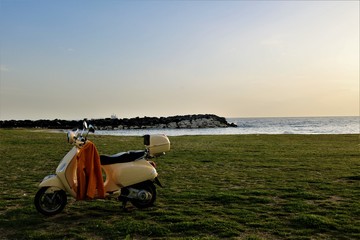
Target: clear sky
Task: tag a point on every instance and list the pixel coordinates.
(91, 59)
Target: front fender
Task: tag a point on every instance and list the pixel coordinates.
(52, 181)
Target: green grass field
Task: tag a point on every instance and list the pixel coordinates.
(215, 187)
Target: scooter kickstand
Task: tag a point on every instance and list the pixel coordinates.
(124, 205)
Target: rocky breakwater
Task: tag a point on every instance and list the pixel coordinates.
(185, 121)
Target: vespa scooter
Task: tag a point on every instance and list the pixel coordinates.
(129, 176)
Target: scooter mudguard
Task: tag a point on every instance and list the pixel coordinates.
(52, 181)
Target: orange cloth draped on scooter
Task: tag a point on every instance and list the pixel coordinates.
(89, 175)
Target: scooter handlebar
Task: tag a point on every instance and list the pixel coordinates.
(79, 138)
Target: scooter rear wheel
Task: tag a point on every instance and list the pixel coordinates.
(51, 202)
(149, 190)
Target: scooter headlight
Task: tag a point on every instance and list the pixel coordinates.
(71, 137)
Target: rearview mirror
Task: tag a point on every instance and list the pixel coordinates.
(91, 128)
(85, 125)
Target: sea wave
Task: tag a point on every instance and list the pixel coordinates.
(303, 125)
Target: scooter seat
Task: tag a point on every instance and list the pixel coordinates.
(122, 157)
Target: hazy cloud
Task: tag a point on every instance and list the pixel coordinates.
(3, 68)
(275, 40)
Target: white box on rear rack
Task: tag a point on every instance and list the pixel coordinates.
(157, 144)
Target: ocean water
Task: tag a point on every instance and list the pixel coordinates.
(291, 125)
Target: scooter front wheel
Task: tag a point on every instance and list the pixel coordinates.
(50, 202)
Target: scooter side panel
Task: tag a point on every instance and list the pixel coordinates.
(127, 174)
